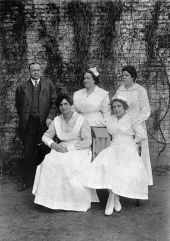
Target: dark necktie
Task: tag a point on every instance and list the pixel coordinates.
(36, 83)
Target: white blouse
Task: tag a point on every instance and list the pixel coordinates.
(95, 107)
(137, 99)
(126, 126)
(83, 139)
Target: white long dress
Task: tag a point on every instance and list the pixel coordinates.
(138, 102)
(95, 107)
(119, 167)
(60, 177)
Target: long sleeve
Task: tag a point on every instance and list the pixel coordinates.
(85, 138)
(47, 138)
(105, 107)
(53, 96)
(144, 105)
(140, 132)
(74, 103)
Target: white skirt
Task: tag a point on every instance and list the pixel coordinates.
(120, 169)
(59, 181)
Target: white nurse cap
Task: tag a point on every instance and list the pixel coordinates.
(120, 97)
(94, 71)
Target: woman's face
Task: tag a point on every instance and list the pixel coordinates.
(118, 109)
(88, 80)
(64, 107)
(128, 79)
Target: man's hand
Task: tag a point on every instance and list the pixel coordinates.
(58, 147)
(48, 122)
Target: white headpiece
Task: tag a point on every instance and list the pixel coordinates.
(119, 97)
(94, 70)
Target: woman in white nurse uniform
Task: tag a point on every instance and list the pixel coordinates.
(92, 101)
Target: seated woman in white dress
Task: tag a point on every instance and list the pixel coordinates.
(92, 102)
(60, 177)
(119, 168)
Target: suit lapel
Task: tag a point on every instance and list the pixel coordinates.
(28, 91)
(43, 85)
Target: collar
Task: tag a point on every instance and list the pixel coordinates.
(133, 87)
(128, 119)
(124, 122)
(33, 81)
(74, 114)
(95, 89)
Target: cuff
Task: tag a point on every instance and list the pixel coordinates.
(49, 143)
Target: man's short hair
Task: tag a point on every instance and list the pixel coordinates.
(33, 64)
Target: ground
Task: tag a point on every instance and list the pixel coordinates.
(22, 220)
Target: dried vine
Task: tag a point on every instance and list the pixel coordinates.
(109, 12)
(13, 29)
(153, 55)
(49, 40)
(80, 15)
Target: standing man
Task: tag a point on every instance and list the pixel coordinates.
(35, 104)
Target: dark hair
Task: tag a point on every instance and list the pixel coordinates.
(131, 70)
(61, 97)
(123, 102)
(96, 78)
(33, 64)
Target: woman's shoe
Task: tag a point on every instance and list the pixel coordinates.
(110, 204)
(118, 206)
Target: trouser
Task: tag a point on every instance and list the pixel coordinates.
(32, 137)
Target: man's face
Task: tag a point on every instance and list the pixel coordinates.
(35, 71)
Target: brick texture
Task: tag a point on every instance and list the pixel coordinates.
(67, 37)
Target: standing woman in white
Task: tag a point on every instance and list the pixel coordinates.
(59, 180)
(137, 99)
(92, 102)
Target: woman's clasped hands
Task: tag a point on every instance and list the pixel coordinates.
(59, 147)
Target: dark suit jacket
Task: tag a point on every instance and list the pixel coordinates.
(47, 106)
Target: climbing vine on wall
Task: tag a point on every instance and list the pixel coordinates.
(49, 39)
(13, 42)
(157, 49)
(77, 34)
(13, 30)
(109, 12)
(80, 15)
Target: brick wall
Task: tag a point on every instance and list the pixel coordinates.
(67, 37)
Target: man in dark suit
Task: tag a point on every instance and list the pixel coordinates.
(35, 104)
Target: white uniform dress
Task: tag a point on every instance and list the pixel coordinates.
(138, 102)
(95, 107)
(119, 167)
(60, 177)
